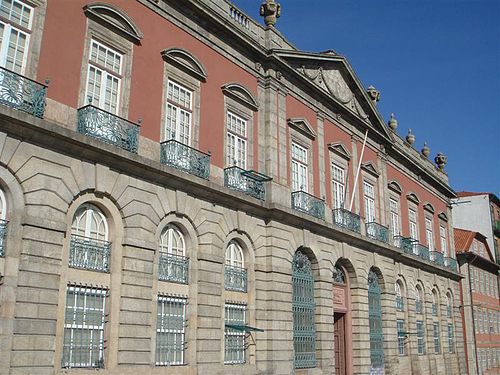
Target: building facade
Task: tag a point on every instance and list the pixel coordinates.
(479, 212)
(191, 194)
(480, 302)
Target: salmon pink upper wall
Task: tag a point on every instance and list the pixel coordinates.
(295, 108)
(334, 134)
(66, 26)
(408, 185)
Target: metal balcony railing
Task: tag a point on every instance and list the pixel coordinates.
(451, 264)
(173, 268)
(89, 254)
(309, 204)
(22, 93)
(437, 258)
(404, 243)
(347, 219)
(3, 235)
(107, 127)
(180, 156)
(400, 303)
(421, 250)
(377, 232)
(235, 278)
(249, 182)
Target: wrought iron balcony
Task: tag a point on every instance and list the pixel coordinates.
(437, 258)
(173, 268)
(249, 182)
(418, 307)
(404, 243)
(451, 264)
(3, 234)
(178, 155)
(235, 278)
(309, 204)
(22, 93)
(89, 254)
(377, 232)
(109, 128)
(347, 219)
(421, 250)
(400, 303)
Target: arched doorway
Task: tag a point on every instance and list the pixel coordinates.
(341, 321)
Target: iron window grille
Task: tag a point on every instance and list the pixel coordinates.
(401, 337)
(420, 337)
(170, 331)
(234, 340)
(437, 339)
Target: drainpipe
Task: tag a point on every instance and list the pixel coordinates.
(472, 312)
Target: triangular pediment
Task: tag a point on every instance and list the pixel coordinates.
(370, 168)
(185, 61)
(340, 150)
(302, 125)
(114, 18)
(333, 75)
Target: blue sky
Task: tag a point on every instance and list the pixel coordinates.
(436, 63)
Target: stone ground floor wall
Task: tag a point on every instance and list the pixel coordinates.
(44, 188)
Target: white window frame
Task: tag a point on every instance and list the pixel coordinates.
(237, 356)
(400, 324)
(420, 337)
(429, 233)
(338, 186)
(369, 199)
(234, 255)
(172, 241)
(90, 213)
(237, 140)
(10, 27)
(3, 205)
(394, 212)
(300, 168)
(442, 236)
(437, 338)
(182, 111)
(71, 326)
(105, 74)
(167, 324)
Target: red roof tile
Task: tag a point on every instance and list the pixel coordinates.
(463, 239)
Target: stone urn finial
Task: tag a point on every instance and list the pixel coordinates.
(426, 151)
(393, 123)
(441, 161)
(410, 138)
(374, 94)
(271, 11)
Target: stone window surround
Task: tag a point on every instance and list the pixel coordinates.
(396, 198)
(101, 34)
(414, 207)
(430, 217)
(180, 77)
(372, 180)
(247, 114)
(295, 136)
(342, 162)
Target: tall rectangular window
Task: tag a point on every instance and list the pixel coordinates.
(179, 113)
(412, 217)
(437, 338)
(420, 337)
(429, 234)
(442, 237)
(451, 339)
(16, 19)
(234, 347)
(83, 344)
(401, 337)
(104, 77)
(338, 184)
(394, 208)
(299, 168)
(170, 331)
(369, 197)
(236, 152)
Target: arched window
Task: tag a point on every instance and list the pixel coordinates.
(375, 321)
(235, 277)
(89, 247)
(303, 306)
(339, 275)
(90, 222)
(173, 264)
(399, 297)
(434, 303)
(448, 306)
(3, 222)
(418, 301)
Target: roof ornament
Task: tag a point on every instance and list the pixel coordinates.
(374, 94)
(441, 161)
(393, 123)
(410, 138)
(426, 151)
(270, 10)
